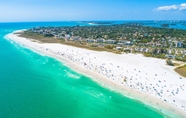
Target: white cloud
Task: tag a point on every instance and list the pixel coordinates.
(182, 6)
(172, 7)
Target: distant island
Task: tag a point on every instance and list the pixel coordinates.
(101, 22)
(165, 25)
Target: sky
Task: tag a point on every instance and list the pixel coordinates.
(89, 10)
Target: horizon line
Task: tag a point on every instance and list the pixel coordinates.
(80, 21)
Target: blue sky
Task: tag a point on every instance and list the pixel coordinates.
(84, 10)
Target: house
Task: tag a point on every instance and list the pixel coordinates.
(67, 36)
(145, 50)
(120, 44)
(110, 41)
(73, 38)
(128, 43)
(100, 40)
(121, 41)
(137, 49)
(178, 44)
(90, 40)
(184, 52)
(169, 51)
(141, 49)
(118, 48)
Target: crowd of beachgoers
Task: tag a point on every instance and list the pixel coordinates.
(146, 76)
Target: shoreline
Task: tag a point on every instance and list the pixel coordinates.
(112, 71)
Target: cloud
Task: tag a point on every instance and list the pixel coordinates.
(172, 7)
(182, 6)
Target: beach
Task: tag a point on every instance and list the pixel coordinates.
(148, 80)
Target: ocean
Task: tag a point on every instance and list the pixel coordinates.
(37, 86)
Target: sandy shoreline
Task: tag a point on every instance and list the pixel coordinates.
(149, 80)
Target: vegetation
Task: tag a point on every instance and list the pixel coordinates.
(128, 31)
(45, 39)
(118, 38)
(109, 46)
(181, 70)
(39, 37)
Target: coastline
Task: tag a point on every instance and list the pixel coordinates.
(109, 70)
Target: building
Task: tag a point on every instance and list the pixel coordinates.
(178, 44)
(110, 41)
(100, 40)
(90, 40)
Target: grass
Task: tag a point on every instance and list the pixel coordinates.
(38, 37)
(176, 64)
(181, 70)
(87, 46)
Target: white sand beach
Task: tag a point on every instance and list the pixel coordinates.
(146, 79)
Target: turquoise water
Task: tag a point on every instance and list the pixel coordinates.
(36, 86)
